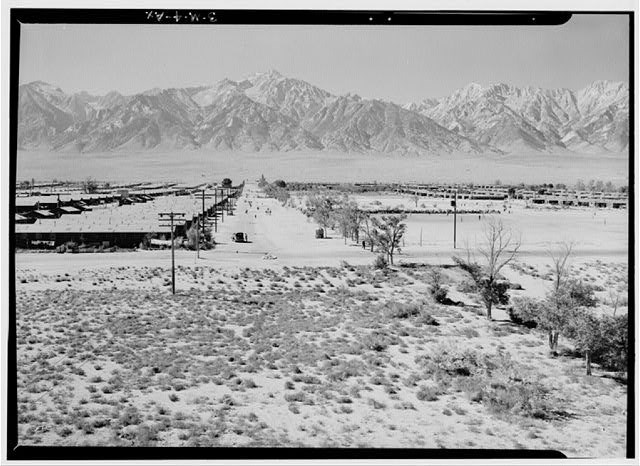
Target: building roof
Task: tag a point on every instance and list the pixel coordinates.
(44, 213)
(70, 209)
(26, 201)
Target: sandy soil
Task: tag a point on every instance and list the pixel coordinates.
(189, 166)
(305, 349)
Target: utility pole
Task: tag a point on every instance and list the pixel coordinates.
(198, 238)
(455, 213)
(203, 212)
(222, 206)
(215, 208)
(162, 216)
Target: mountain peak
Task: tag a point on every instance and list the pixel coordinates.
(273, 112)
(273, 73)
(265, 76)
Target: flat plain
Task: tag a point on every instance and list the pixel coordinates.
(293, 341)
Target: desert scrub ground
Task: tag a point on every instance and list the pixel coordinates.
(295, 356)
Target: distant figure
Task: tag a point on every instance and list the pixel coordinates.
(364, 245)
(478, 217)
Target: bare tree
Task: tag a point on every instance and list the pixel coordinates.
(367, 229)
(565, 306)
(499, 249)
(559, 302)
(387, 234)
(90, 185)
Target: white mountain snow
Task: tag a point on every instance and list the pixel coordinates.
(269, 111)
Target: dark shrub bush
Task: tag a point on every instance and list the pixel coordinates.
(396, 310)
(380, 262)
(517, 318)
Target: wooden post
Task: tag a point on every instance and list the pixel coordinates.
(203, 214)
(162, 216)
(198, 238)
(173, 260)
(215, 208)
(222, 206)
(455, 215)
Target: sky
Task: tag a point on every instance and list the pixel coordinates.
(396, 63)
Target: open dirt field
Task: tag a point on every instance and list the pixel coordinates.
(310, 346)
(188, 166)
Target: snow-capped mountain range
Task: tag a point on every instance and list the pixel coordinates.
(271, 112)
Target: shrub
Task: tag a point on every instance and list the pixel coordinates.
(380, 262)
(397, 310)
(524, 312)
(146, 435)
(297, 396)
(436, 289)
(524, 397)
(451, 361)
(612, 354)
(582, 293)
(427, 319)
(378, 341)
(427, 393)
(130, 417)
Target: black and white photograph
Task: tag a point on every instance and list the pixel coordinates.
(316, 232)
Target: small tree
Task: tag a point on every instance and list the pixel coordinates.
(387, 234)
(321, 209)
(193, 237)
(367, 229)
(349, 218)
(562, 301)
(89, 186)
(564, 304)
(280, 183)
(499, 249)
(436, 288)
(615, 331)
(585, 331)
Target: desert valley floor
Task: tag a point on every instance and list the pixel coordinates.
(293, 341)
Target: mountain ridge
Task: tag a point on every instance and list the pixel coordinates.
(272, 112)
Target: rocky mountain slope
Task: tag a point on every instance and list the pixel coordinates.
(271, 112)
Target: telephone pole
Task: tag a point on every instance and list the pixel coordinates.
(162, 217)
(222, 205)
(204, 196)
(455, 215)
(215, 208)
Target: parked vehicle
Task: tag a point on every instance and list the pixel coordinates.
(240, 237)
